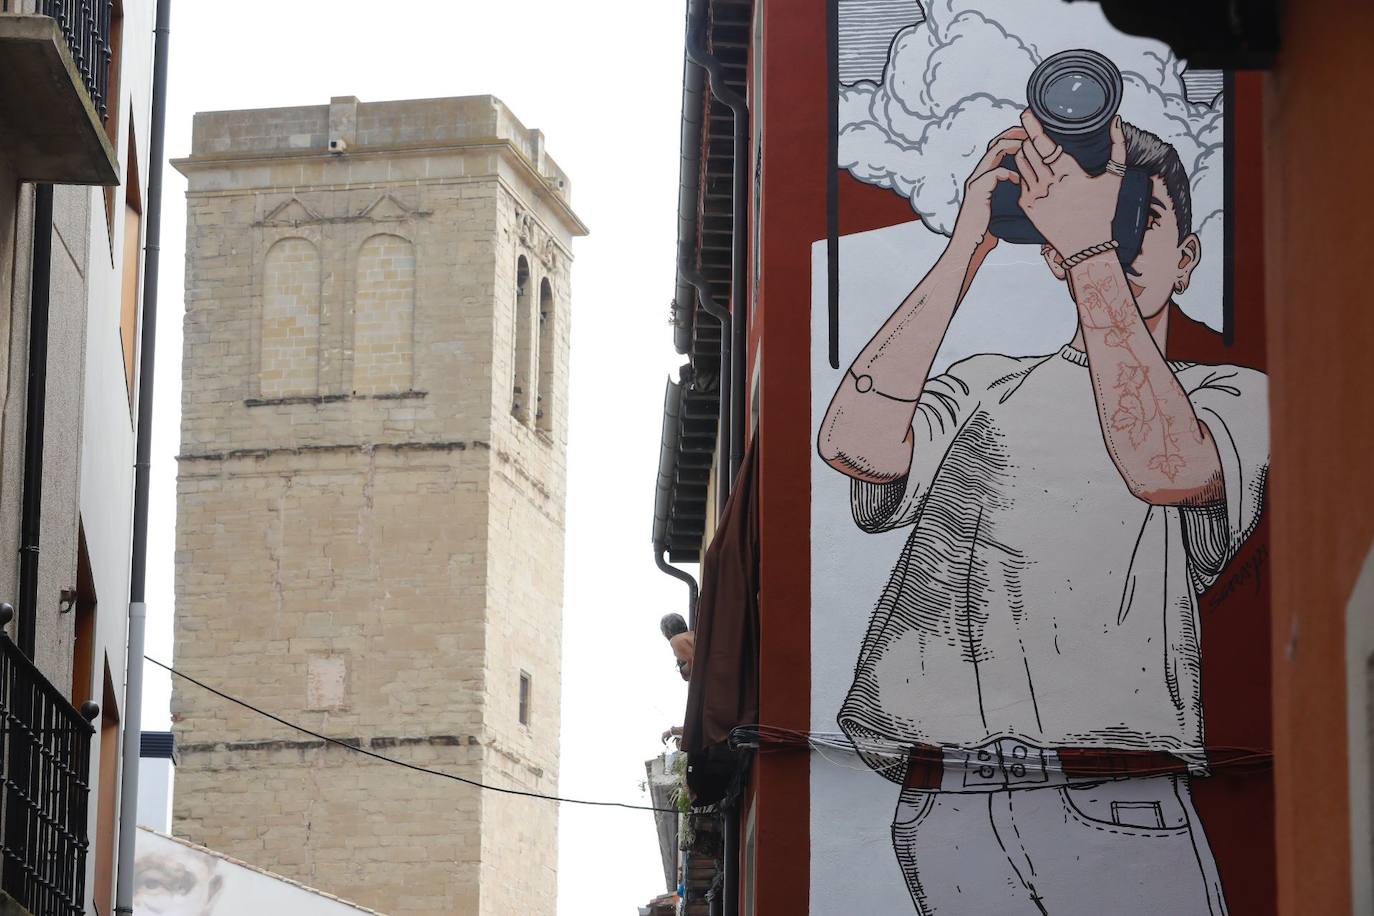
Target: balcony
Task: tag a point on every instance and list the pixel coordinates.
(45, 748)
(55, 62)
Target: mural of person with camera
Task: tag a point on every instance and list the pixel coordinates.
(1031, 675)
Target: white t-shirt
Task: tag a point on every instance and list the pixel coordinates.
(1035, 597)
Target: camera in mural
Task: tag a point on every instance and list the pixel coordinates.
(1032, 491)
(1075, 95)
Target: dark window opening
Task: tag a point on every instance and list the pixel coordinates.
(543, 407)
(83, 648)
(521, 383)
(526, 682)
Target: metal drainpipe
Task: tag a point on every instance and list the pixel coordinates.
(133, 688)
(663, 565)
(31, 518)
(739, 254)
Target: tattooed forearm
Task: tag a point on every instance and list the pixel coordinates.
(1163, 452)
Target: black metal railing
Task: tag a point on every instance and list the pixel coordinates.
(45, 748)
(86, 25)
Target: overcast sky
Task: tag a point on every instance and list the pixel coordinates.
(602, 79)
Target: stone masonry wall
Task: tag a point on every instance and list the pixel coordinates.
(367, 831)
(451, 227)
(525, 579)
(289, 355)
(343, 590)
(384, 316)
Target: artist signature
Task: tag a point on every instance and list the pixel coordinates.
(1250, 570)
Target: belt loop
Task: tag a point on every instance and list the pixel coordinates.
(924, 769)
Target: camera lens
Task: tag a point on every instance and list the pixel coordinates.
(1074, 97)
(1074, 92)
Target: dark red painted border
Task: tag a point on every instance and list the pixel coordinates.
(794, 215)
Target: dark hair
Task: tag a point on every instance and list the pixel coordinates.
(671, 625)
(1145, 151)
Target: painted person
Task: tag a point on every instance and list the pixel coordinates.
(175, 881)
(1031, 674)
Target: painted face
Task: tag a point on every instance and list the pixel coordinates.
(172, 884)
(1164, 265)
(1163, 262)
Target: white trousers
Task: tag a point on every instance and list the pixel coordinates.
(1123, 847)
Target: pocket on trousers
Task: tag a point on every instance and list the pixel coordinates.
(912, 807)
(1141, 807)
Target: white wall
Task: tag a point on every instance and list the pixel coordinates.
(155, 775)
(175, 878)
(108, 434)
(852, 864)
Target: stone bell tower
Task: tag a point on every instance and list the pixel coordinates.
(370, 500)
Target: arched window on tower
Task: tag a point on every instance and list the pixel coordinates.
(544, 405)
(522, 384)
(289, 350)
(384, 316)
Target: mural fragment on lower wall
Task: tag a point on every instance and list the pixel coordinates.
(173, 877)
(1026, 503)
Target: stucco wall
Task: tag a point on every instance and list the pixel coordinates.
(106, 472)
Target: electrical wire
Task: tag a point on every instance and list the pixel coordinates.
(401, 763)
(765, 739)
(756, 737)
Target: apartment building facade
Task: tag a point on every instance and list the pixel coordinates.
(953, 656)
(74, 164)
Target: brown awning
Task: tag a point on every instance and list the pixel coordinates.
(724, 692)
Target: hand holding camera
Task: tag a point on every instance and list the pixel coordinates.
(991, 171)
(1071, 209)
(1072, 99)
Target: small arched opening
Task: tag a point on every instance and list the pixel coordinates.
(522, 393)
(544, 401)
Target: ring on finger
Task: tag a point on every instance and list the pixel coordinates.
(1116, 168)
(1053, 155)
